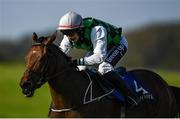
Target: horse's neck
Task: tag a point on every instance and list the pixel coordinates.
(68, 88)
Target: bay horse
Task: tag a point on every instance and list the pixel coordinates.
(75, 94)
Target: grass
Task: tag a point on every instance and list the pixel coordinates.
(14, 104)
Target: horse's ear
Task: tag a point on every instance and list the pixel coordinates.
(34, 37)
(51, 38)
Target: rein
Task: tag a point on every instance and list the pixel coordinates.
(57, 74)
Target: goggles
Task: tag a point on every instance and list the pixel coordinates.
(70, 32)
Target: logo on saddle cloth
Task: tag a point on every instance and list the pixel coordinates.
(137, 87)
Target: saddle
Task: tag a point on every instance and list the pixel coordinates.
(136, 86)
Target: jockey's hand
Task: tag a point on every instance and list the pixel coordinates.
(77, 62)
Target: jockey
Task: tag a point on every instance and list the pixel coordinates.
(104, 43)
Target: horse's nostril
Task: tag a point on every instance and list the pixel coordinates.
(25, 91)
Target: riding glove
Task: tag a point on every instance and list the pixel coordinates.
(77, 62)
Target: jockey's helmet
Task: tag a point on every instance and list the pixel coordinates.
(70, 21)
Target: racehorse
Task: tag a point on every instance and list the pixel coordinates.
(75, 94)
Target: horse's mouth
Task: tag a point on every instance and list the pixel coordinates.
(28, 92)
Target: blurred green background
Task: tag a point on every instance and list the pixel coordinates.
(152, 28)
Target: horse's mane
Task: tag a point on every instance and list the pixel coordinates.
(58, 50)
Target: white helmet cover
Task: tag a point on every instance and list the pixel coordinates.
(70, 20)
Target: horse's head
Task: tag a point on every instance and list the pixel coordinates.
(36, 64)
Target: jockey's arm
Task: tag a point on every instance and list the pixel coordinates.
(65, 45)
(99, 41)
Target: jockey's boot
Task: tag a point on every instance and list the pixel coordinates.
(119, 84)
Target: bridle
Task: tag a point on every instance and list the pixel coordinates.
(43, 75)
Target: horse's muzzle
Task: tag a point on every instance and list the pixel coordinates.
(27, 92)
(27, 89)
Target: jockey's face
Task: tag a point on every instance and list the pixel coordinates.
(74, 37)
